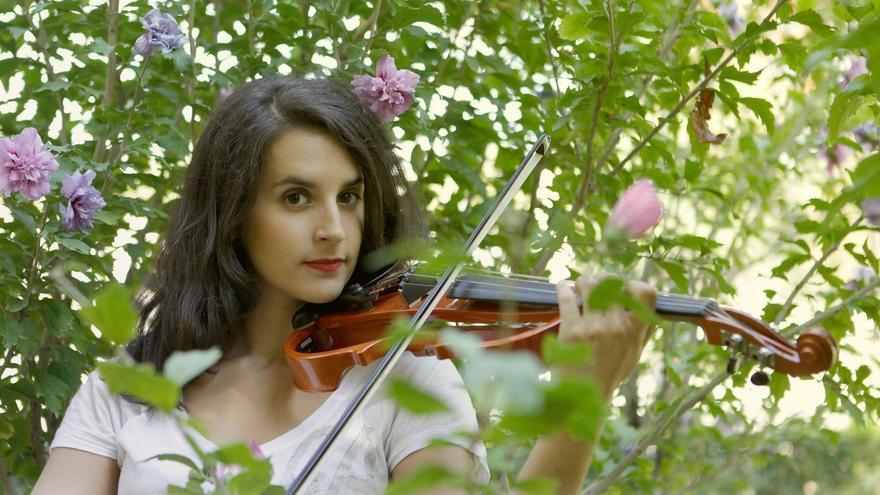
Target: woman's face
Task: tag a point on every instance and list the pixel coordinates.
(308, 208)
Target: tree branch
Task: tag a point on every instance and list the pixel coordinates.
(125, 131)
(870, 286)
(8, 487)
(190, 82)
(783, 313)
(369, 24)
(110, 76)
(50, 76)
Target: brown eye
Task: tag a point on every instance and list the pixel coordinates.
(295, 198)
(350, 198)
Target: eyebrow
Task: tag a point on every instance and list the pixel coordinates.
(298, 181)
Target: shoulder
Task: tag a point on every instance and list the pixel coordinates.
(94, 418)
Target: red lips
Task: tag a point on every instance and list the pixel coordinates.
(326, 264)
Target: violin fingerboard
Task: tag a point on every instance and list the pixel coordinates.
(671, 304)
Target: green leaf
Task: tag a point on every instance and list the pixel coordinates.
(425, 478)
(52, 86)
(866, 177)
(182, 366)
(779, 384)
(753, 30)
(113, 314)
(537, 486)
(676, 272)
(142, 382)
(13, 303)
(568, 353)
(182, 60)
(812, 19)
(11, 330)
(737, 75)
(101, 46)
(415, 400)
(51, 389)
(182, 459)
(605, 294)
(74, 245)
(570, 403)
(692, 170)
(843, 106)
(575, 26)
(763, 110)
(854, 411)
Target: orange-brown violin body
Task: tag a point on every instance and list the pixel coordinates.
(320, 351)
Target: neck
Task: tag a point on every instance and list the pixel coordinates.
(266, 329)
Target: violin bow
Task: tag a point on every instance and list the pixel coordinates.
(383, 369)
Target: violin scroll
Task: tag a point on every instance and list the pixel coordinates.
(817, 349)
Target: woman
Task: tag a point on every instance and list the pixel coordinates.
(291, 183)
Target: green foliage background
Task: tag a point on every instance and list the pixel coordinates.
(754, 219)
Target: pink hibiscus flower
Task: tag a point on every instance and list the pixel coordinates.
(25, 165)
(390, 93)
(638, 210)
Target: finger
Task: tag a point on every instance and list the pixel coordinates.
(585, 285)
(568, 308)
(647, 295)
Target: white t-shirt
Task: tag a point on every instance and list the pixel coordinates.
(372, 444)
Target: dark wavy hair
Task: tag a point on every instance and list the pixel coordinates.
(202, 284)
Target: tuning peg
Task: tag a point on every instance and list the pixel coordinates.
(765, 358)
(760, 378)
(731, 365)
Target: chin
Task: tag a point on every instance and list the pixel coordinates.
(319, 296)
(322, 300)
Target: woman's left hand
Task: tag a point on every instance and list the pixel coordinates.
(616, 336)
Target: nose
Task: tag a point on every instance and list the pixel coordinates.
(330, 225)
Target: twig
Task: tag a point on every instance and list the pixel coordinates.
(8, 487)
(7, 360)
(305, 56)
(533, 199)
(439, 76)
(35, 258)
(603, 484)
(584, 190)
(369, 24)
(56, 273)
(870, 286)
(127, 128)
(50, 76)
(783, 313)
(583, 187)
(730, 461)
(110, 75)
(250, 29)
(190, 82)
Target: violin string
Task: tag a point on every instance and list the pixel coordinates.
(674, 303)
(510, 276)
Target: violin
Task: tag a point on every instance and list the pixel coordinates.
(511, 313)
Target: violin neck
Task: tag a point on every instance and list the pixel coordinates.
(540, 292)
